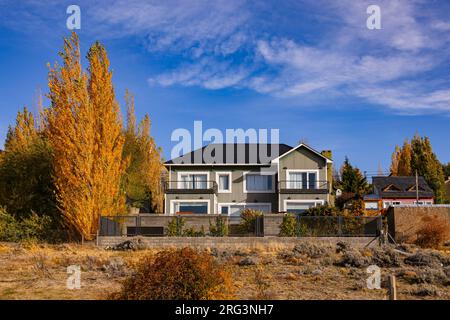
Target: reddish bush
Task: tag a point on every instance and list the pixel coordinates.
(433, 233)
(184, 274)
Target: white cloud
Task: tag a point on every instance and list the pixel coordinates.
(238, 44)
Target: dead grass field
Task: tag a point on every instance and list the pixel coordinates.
(33, 271)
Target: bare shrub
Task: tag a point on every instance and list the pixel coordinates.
(424, 258)
(385, 257)
(40, 265)
(313, 250)
(433, 233)
(262, 286)
(183, 274)
(425, 290)
(353, 258)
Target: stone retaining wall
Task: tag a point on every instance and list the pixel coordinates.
(234, 242)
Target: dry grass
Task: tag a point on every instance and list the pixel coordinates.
(34, 271)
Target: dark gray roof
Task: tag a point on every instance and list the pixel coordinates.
(400, 187)
(238, 153)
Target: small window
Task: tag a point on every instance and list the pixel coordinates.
(224, 182)
(371, 205)
(224, 210)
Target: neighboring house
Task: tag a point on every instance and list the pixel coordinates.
(392, 190)
(281, 179)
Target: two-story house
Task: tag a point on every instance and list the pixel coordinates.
(227, 178)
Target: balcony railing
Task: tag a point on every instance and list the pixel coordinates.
(190, 187)
(306, 187)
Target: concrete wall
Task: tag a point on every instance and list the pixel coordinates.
(234, 243)
(404, 222)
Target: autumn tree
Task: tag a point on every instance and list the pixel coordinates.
(418, 156)
(142, 179)
(84, 130)
(401, 160)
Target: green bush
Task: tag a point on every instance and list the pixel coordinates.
(322, 211)
(219, 228)
(191, 232)
(175, 227)
(248, 220)
(34, 227)
(292, 227)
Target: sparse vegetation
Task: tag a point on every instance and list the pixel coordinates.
(248, 220)
(433, 233)
(183, 274)
(219, 228)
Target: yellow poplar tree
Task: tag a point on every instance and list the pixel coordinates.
(24, 133)
(71, 133)
(108, 167)
(84, 128)
(152, 168)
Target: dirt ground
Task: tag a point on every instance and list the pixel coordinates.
(33, 271)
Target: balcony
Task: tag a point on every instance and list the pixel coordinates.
(303, 187)
(190, 187)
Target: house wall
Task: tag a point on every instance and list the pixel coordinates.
(302, 159)
(237, 186)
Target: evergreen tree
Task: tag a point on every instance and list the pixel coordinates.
(425, 162)
(352, 180)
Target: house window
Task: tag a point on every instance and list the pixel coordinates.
(224, 181)
(371, 205)
(302, 179)
(300, 207)
(193, 181)
(200, 207)
(236, 209)
(258, 183)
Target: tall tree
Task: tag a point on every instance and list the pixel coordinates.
(143, 176)
(108, 166)
(404, 163)
(446, 169)
(418, 155)
(395, 159)
(84, 130)
(352, 180)
(71, 133)
(26, 185)
(425, 162)
(153, 167)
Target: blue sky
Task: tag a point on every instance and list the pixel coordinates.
(309, 68)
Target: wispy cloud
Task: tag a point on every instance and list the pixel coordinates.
(244, 44)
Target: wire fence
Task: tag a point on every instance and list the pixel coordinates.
(199, 225)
